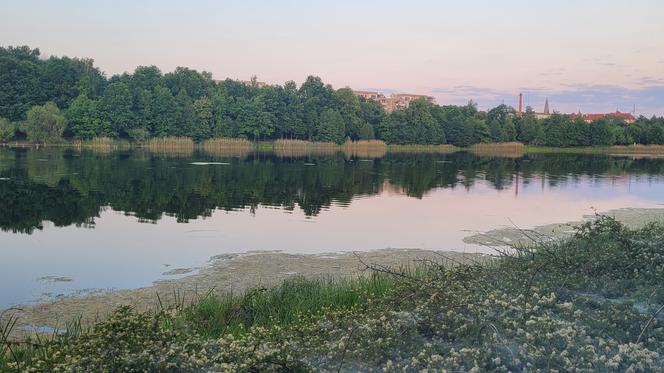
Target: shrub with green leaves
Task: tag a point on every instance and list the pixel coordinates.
(7, 130)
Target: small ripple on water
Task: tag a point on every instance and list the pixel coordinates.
(209, 163)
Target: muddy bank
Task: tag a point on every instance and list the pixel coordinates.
(631, 217)
(225, 273)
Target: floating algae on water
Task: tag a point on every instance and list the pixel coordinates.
(178, 271)
(54, 279)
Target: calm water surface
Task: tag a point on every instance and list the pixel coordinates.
(121, 219)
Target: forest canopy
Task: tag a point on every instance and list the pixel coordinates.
(56, 98)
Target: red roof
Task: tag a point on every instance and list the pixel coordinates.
(624, 116)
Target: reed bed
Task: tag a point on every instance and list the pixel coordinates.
(441, 149)
(365, 148)
(171, 145)
(226, 146)
(300, 148)
(501, 149)
(102, 144)
(637, 149)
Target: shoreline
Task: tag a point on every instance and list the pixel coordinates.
(501, 237)
(222, 274)
(236, 273)
(376, 149)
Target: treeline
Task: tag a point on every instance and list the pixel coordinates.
(47, 100)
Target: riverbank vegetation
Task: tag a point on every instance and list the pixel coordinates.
(590, 303)
(47, 100)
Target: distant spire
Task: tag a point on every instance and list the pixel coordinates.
(546, 106)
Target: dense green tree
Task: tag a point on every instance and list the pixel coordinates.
(332, 128)
(530, 130)
(116, 110)
(204, 119)
(186, 119)
(366, 132)
(349, 108)
(63, 79)
(480, 130)
(453, 121)
(655, 133)
(501, 125)
(44, 123)
(600, 133)
(19, 86)
(145, 78)
(26, 80)
(315, 97)
(163, 110)
(194, 84)
(556, 129)
(143, 110)
(413, 125)
(290, 114)
(82, 118)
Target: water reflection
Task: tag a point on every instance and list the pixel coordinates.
(67, 187)
(138, 204)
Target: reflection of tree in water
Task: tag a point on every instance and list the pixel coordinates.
(67, 187)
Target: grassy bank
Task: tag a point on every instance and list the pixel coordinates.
(622, 149)
(589, 303)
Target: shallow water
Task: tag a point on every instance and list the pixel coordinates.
(86, 221)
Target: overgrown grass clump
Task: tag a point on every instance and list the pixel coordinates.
(589, 303)
(365, 148)
(414, 148)
(298, 148)
(227, 146)
(177, 145)
(501, 149)
(285, 304)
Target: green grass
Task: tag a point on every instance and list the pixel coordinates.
(628, 149)
(282, 305)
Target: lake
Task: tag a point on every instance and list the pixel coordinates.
(74, 222)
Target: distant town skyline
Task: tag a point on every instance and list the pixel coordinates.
(592, 56)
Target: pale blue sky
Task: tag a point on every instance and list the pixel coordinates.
(585, 54)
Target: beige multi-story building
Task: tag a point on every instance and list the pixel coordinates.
(394, 101)
(369, 95)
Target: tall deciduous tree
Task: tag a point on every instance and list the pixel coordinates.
(82, 118)
(116, 110)
(332, 128)
(44, 123)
